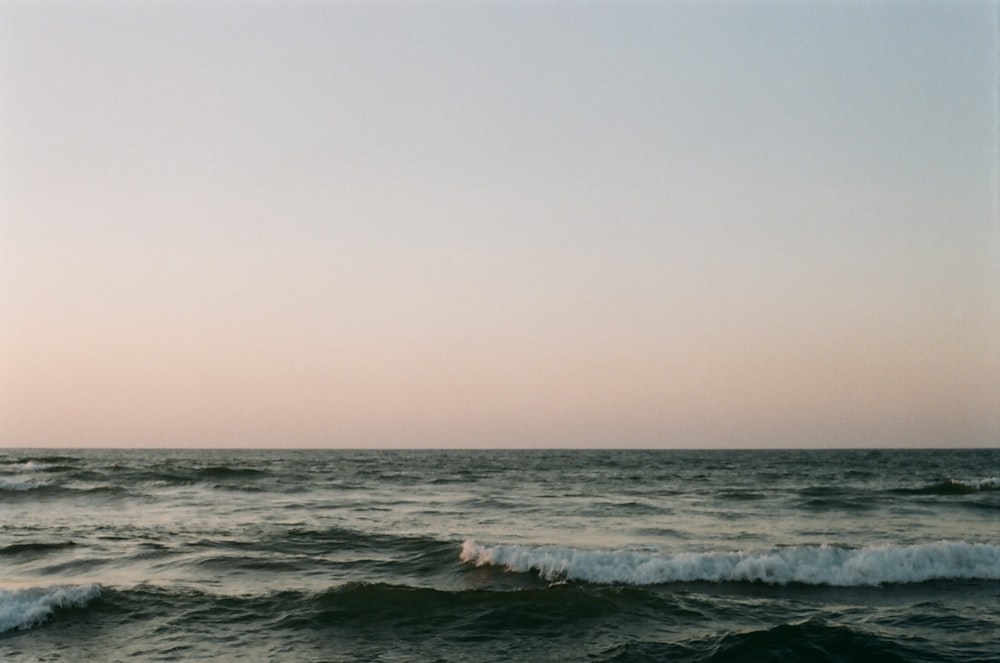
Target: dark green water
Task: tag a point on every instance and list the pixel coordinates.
(500, 555)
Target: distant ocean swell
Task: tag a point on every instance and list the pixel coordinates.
(820, 565)
(66, 476)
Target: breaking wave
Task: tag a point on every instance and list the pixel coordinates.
(15, 486)
(813, 565)
(955, 487)
(22, 609)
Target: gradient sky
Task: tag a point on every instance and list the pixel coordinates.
(499, 224)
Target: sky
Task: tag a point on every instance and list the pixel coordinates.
(499, 224)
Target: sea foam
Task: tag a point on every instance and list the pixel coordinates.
(989, 483)
(13, 485)
(29, 466)
(811, 565)
(25, 608)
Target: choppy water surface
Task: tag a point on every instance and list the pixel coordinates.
(500, 555)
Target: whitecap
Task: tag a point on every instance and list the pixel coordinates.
(30, 466)
(989, 483)
(15, 485)
(810, 565)
(25, 608)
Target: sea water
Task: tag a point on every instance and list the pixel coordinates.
(165, 555)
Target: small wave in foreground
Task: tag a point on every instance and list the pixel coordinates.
(22, 609)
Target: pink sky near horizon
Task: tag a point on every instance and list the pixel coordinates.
(552, 225)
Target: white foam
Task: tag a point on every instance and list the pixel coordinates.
(25, 608)
(813, 565)
(15, 485)
(990, 483)
(30, 466)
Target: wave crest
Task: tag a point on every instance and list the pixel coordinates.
(812, 565)
(15, 486)
(972, 485)
(955, 487)
(22, 609)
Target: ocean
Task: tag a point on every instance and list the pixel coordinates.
(180, 555)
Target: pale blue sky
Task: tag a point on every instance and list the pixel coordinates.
(499, 224)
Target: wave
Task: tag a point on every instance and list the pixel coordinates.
(955, 487)
(45, 460)
(22, 548)
(14, 486)
(809, 640)
(810, 565)
(221, 476)
(34, 489)
(22, 609)
(563, 621)
(30, 465)
(225, 472)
